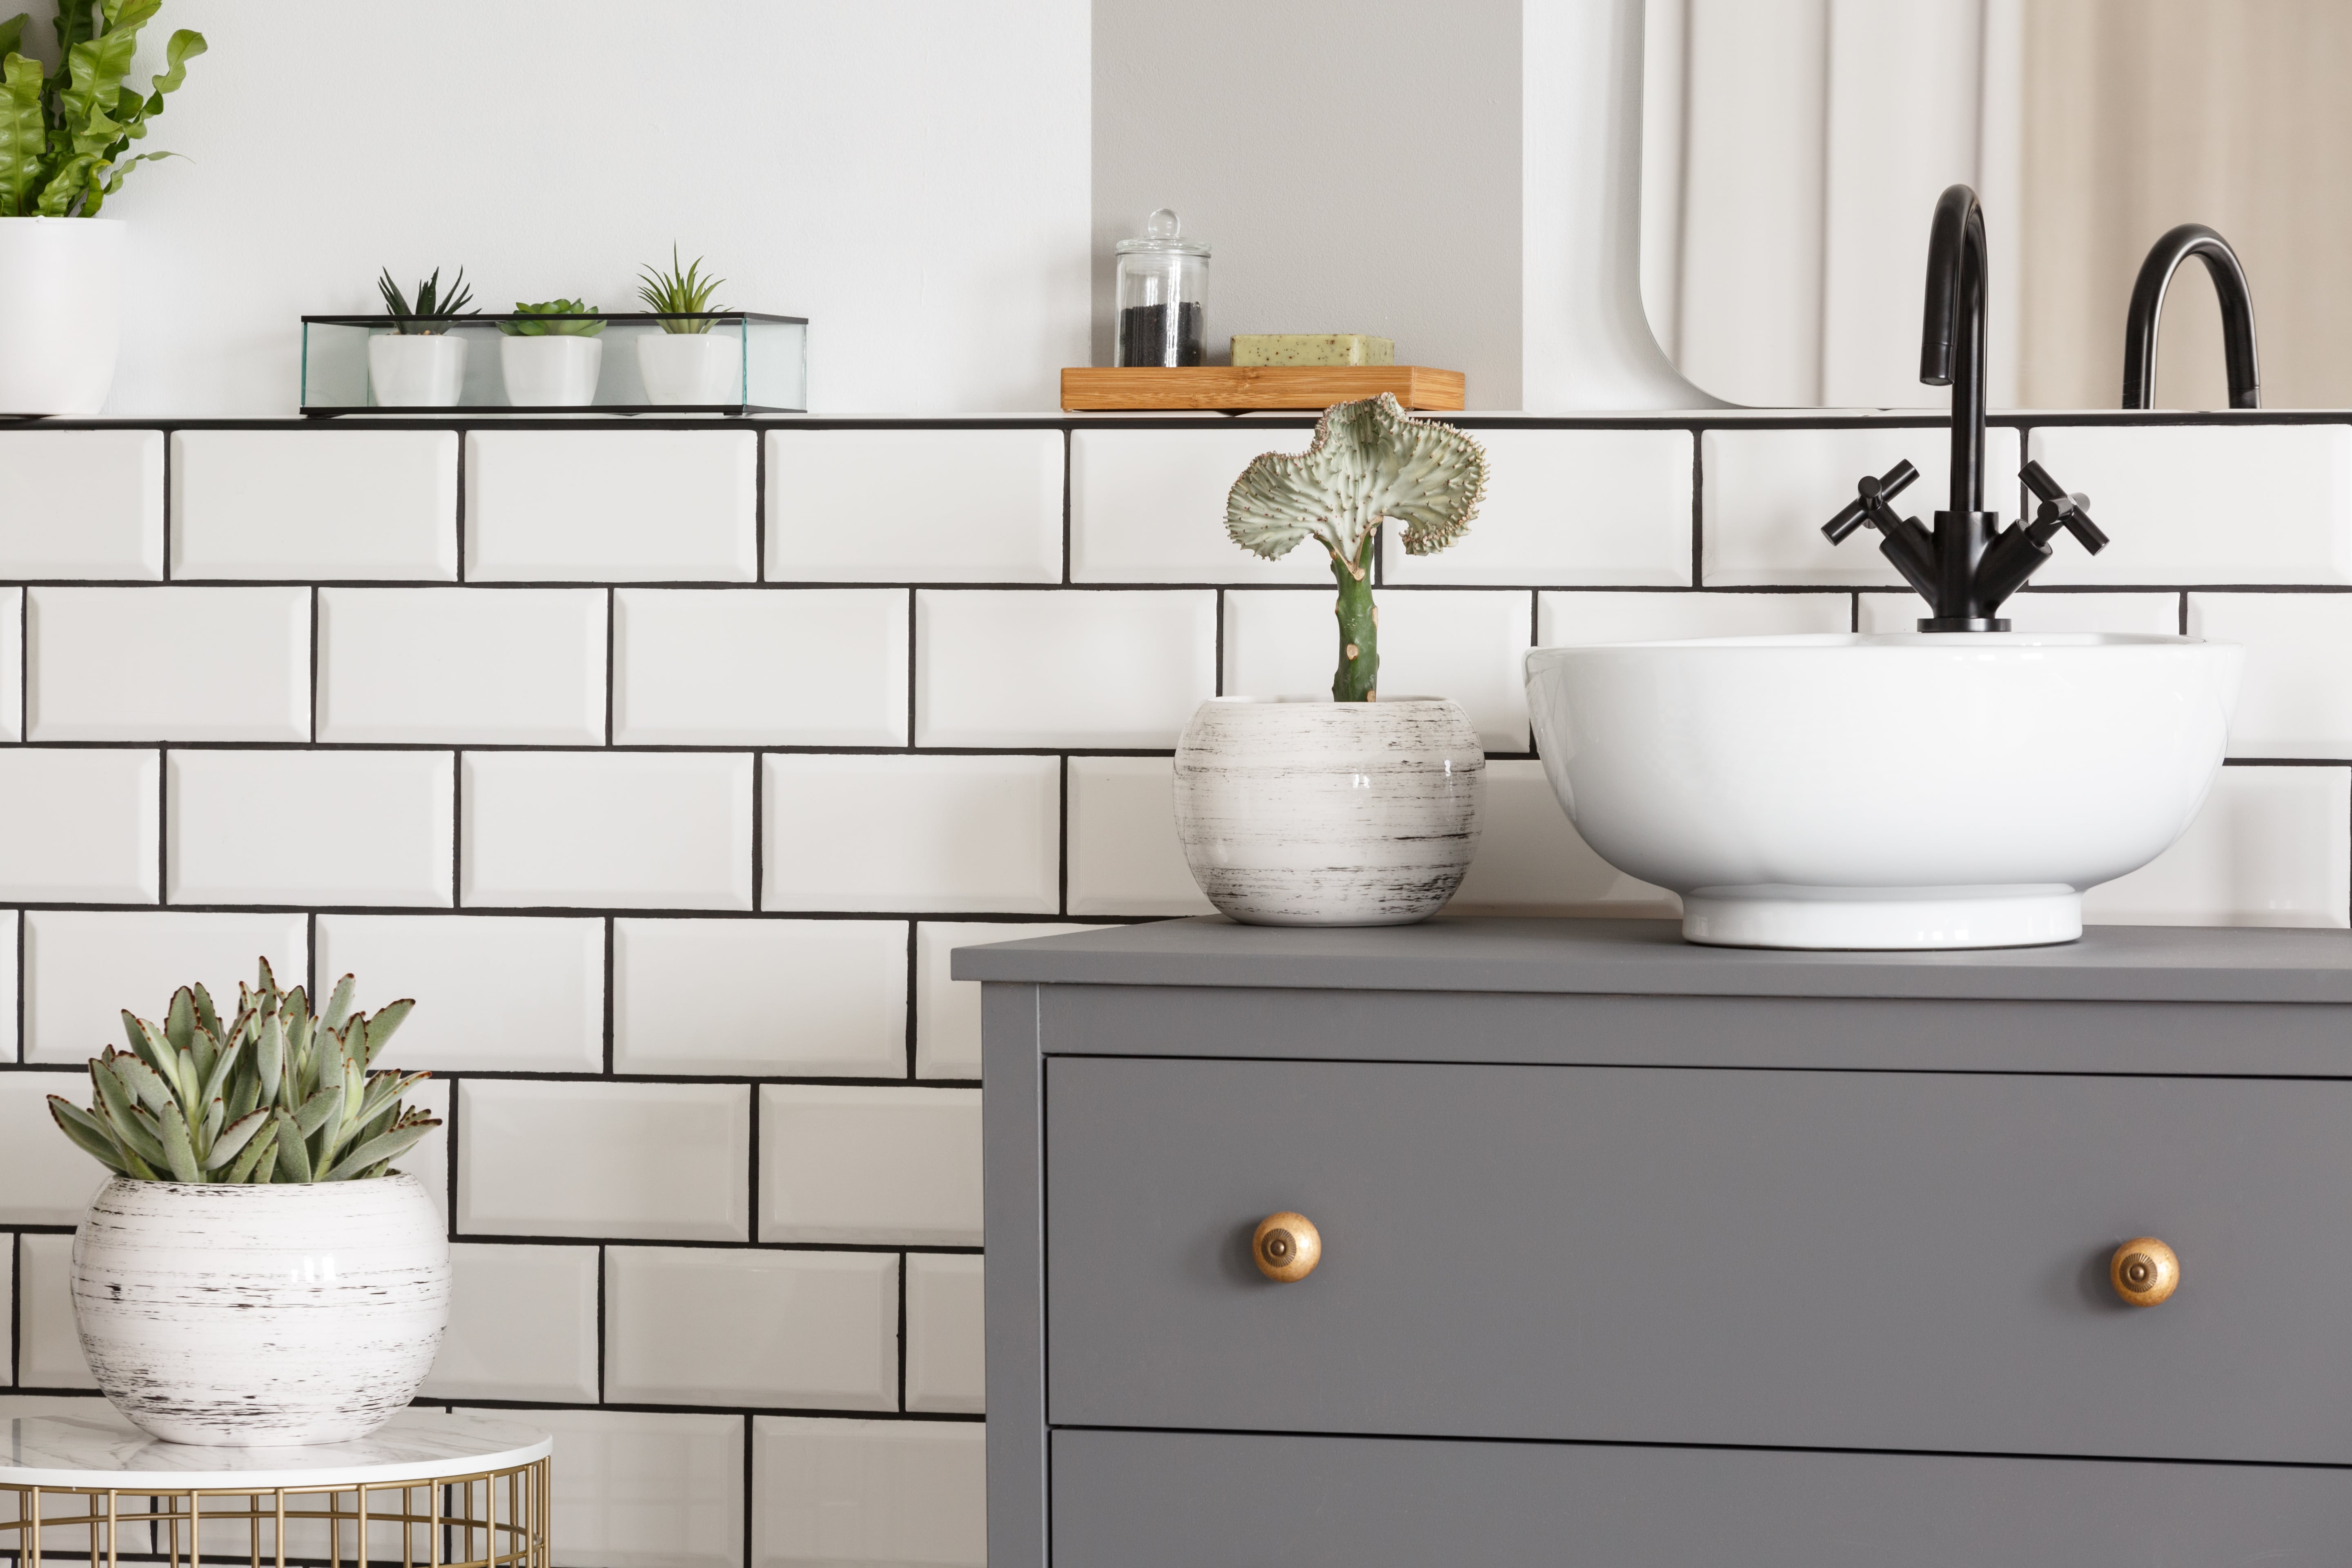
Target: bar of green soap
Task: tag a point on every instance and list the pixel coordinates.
(1312, 348)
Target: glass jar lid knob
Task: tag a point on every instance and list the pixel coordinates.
(1162, 235)
(1163, 225)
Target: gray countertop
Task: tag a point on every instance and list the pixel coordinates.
(2133, 963)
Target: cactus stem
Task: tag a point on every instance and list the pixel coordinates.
(1358, 679)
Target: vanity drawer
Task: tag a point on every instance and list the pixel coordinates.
(1173, 1499)
(1642, 1255)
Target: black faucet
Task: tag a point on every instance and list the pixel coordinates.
(2164, 258)
(1970, 564)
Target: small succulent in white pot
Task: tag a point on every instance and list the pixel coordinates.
(257, 1273)
(685, 363)
(551, 356)
(1362, 810)
(420, 363)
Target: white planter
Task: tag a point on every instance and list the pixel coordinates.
(60, 304)
(550, 372)
(691, 367)
(1304, 812)
(261, 1316)
(416, 370)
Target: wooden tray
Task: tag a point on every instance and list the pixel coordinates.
(1222, 386)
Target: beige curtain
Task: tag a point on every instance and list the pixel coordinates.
(2140, 114)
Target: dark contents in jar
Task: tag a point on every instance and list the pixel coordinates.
(1149, 334)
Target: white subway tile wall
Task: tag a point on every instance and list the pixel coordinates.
(399, 665)
(667, 768)
(310, 505)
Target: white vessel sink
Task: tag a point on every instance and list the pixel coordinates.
(1882, 791)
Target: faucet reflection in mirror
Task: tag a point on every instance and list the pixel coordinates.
(1968, 564)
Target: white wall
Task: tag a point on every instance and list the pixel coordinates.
(910, 175)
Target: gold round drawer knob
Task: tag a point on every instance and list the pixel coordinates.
(2146, 1272)
(1286, 1246)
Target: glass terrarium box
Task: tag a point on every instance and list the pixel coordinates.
(729, 362)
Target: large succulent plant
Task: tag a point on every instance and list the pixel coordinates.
(1369, 460)
(281, 1094)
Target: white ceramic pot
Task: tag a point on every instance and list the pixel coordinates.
(557, 371)
(1902, 790)
(60, 312)
(691, 367)
(416, 370)
(261, 1316)
(1305, 812)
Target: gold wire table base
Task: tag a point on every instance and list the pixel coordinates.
(484, 1519)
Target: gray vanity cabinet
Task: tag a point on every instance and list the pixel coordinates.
(1638, 1253)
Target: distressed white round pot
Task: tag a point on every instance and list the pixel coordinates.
(250, 1317)
(416, 370)
(691, 367)
(60, 312)
(1305, 812)
(557, 371)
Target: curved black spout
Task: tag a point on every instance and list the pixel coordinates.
(2164, 258)
(1952, 353)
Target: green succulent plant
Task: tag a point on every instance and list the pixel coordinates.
(63, 133)
(281, 1094)
(676, 293)
(552, 328)
(434, 308)
(1369, 461)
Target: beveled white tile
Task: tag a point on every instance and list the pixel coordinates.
(428, 1159)
(1532, 861)
(946, 1355)
(79, 827)
(82, 967)
(1767, 492)
(763, 996)
(890, 833)
(1569, 619)
(2157, 614)
(947, 1010)
(640, 1489)
(83, 503)
(638, 830)
(493, 992)
(915, 506)
(522, 1325)
(2295, 699)
(869, 1164)
(496, 666)
(662, 1161)
(1148, 506)
(2272, 847)
(48, 1349)
(44, 1180)
(169, 664)
(712, 1326)
(869, 1493)
(604, 505)
(774, 667)
(1568, 507)
(1022, 668)
(12, 664)
(310, 827)
(2206, 503)
(1125, 856)
(335, 504)
(1469, 644)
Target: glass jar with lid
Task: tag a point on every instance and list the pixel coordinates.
(1163, 295)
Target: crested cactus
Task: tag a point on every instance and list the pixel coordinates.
(279, 1095)
(1369, 461)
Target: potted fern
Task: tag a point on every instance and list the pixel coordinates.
(686, 361)
(420, 363)
(552, 363)
(257, 1273)
(65, 141)
(1363, 809)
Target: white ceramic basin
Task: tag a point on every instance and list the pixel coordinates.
(1884, 791)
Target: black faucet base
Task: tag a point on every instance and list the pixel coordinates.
(1963, 624)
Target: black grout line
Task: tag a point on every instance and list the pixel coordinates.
(554, 585)
(493, 1238)
(600, 1290)
(759, 522)
(1062, 865)
(751, 1163)
(611, 668)
(311, 956)
(1698, 511)
(24, 664)
(162, 826)
(914, 657)
(15, 1312)
(449, 1164)
(759, 828)
(166, 509)
(612, 976)
(310, 708)
(751, 1485)
(457, 828)
(459, 520)
(568, 912)
(1069, 442)
(1217, 688)
(18, 1056)
(914, 997)
(902, 1331)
